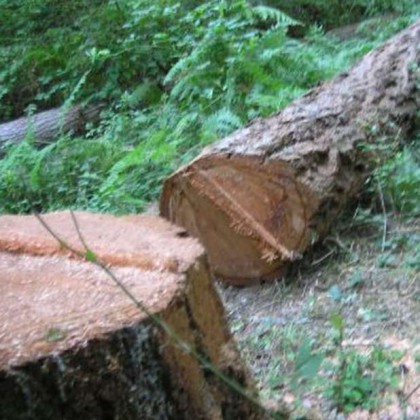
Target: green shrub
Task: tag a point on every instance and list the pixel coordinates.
(359, 379)
(67, 173)
(177, 76)
(399, 178)
(334, 13)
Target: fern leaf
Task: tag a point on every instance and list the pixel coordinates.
(222, 122)
(266, 13)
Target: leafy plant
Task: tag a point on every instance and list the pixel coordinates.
(176, 76)
(333, 13)
(307, 363)
(67, 173)
(359, 379)
(400, 180)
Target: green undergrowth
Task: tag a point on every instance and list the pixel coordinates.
(333, 13)
(347, 377)
(174, 76)
(337, 335)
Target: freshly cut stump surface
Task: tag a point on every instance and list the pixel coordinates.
(72, 345)
(260, 197)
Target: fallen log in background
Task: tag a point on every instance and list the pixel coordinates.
(46, 126)
(261, 196)
(72, 345)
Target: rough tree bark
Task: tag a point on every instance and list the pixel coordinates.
(45, 126)
(261, 196)
(72, 345)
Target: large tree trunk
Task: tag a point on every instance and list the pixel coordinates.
(46, 126)
(72, 345)
(261, 196)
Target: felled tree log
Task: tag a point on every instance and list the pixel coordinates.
(72, 345)
(264, 194)
(46, 126)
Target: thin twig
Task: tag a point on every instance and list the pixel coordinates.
(79, 233)
(336, 240)
(319, 260)
(411, 393)
(385, 219)
(407, 292)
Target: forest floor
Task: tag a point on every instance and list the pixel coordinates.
(339, 337)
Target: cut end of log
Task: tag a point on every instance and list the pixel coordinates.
(72, 344)
(261, 196)
(251, 215)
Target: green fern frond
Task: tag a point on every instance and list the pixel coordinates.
(266, 13)
(185, 124)
(149, 150)
(222, 122)
(181, 66)
(35, 175)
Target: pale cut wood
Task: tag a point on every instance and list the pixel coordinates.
(260, 197)
(72, 345)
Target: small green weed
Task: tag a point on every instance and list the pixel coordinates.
(55, 334)
(400, 181)
(359, 379)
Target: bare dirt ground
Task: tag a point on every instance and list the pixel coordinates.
(367, 272)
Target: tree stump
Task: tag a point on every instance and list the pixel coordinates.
(260, 197)
(72, 345)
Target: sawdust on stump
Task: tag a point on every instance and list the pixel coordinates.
(73, 345)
